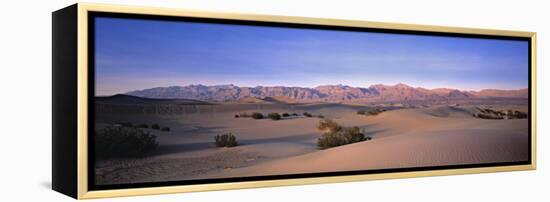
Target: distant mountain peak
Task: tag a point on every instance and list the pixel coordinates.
(193, 85)
(324, 93)
(334, 86)
(402, 85)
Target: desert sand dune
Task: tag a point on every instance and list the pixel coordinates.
(414, 138)
(438, 135)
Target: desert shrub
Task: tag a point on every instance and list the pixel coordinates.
(243, 115)
(236, 116)
(274, 116)
(517, 115)
(330, 125)
(353, 134)
(142, 126)
(488, 116)
(294, 114)
(286, 115)
(494, 114)
(225, 140)
(257, 115)
(361, 112)
(320, 116)
(155, 126)
(489, 111)
(167, 129)
(307, 114)
(346, 135)
(122, 141)
(375, 112)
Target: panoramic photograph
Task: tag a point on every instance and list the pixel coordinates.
(182, 100)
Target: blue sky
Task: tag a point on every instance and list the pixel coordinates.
(134, 54)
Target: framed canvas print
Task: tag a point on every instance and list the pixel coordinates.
(150, 100)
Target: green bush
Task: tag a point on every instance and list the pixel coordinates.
(119, 141)
(167, 129)
(257, 115)
(286, 115)
(330, 125)
(274, 116)
(346, 135)
(294, 114)
(236, 116)
(155, 126)
(225, 140)
(307, 114)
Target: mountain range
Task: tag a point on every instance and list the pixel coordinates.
(325, 93)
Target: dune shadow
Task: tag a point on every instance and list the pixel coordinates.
(304, 139)
(179, 148)
(374, 133)
(186, 128)
(365, 126)
(307, 139)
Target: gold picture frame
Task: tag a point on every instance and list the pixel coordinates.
(77, 185)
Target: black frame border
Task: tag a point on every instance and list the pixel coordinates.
(91, 94)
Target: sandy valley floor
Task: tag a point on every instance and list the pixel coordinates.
(414, 137)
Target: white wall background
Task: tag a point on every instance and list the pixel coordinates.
(25, 105)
